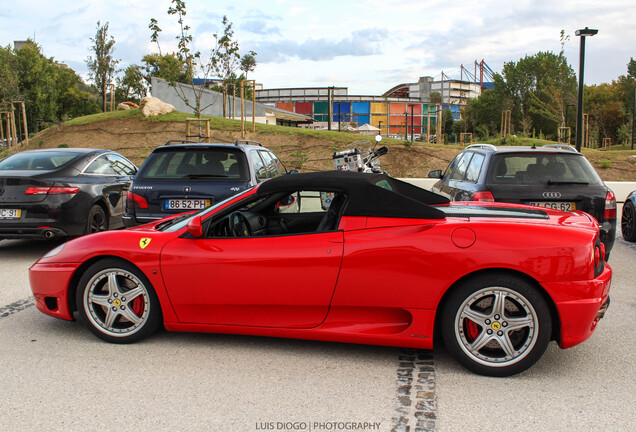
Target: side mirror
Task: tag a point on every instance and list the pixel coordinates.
(382, 151)
(194, 227)
(286, 201)
(435, 174)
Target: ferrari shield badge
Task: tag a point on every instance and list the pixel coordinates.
(144, 242)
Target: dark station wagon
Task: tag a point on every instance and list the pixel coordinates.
(554, 176)
(183, 176)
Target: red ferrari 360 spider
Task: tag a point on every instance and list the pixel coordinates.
(345, 257)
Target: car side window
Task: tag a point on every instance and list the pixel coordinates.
(460, 167)
(474, 168)
(296, 212)
(100, 166)
(121, 166)
(258, 166)
(281, 168)
(270, 165)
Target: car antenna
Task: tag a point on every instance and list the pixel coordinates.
(534, 145)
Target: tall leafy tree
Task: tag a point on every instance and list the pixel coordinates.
(132, 83)
(50, 90)
(37, 84)
(603, 103)
(102, 66)
(539, 87)
(166, 66)
(8, 77)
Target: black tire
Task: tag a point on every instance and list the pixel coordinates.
(96, 220)
(105, 304)
(509, 326)
(628, 222)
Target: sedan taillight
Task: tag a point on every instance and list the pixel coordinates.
(54, 190)
(139, 200)
(610, 206)
(483, 196)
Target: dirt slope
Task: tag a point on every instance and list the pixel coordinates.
(135, 138)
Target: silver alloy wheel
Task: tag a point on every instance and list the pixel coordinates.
(496, 326)
(116, 302)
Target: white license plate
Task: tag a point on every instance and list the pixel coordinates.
(565, 206)
(10, 213)
(186, 204)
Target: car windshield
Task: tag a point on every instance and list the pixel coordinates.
(39, 161)
(195, 163)
(182, 220)
(541, 168)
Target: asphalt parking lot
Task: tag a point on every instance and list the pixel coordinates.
(56, 375)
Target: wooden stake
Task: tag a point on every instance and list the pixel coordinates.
(242, 111)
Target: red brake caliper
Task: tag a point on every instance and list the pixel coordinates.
(138, 306)
(472, 329)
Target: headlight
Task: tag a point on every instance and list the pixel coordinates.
(54, 251)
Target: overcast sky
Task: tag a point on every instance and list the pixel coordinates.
(368, 46)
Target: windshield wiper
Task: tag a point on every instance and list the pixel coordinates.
(171, 222)
(193, 176)
(563, 182)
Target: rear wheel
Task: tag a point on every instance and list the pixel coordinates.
(96, 220)
(117, 302)
(496, 325)
(628, 222)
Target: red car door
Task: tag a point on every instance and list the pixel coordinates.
(285, 281)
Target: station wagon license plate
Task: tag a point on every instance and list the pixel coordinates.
(186, 204)
(10, 213)
(565, 206)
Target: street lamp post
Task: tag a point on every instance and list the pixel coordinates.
(380, 127)
(579, 110)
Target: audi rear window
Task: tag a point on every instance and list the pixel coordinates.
(541, 168)
(195, 164)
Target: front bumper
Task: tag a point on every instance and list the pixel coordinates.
(580, 305)
(50, 285)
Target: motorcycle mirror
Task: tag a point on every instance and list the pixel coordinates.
(194, 227)
(382, 151)
(378, 138)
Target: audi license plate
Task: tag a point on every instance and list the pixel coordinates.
(186, 204)
(565, 206)
(10, 213)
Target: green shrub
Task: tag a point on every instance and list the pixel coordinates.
(62, 146)
(605, 164)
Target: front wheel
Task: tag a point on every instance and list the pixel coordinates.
(117, 302)
(496, 325)
(628, 222)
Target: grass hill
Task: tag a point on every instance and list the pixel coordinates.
(135, 136)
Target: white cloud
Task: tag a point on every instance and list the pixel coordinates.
(368, 45)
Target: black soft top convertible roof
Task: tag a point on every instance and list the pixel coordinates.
(368, 194)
